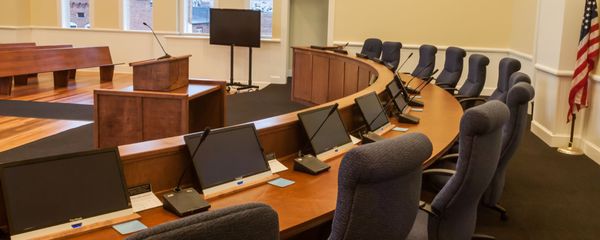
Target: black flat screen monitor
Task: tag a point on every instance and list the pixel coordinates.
(393, 88)
(44, 192)
(238, 27)
(332, 134)
(372, 111)
(227, 154)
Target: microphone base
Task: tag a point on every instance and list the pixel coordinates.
(310, 164)
(164, 57)
(185, 202)
(415, 103)
(371, 137)
(405, 118)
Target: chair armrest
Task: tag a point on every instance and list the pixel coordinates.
(449, 157)
(439, 171)
(482, 236)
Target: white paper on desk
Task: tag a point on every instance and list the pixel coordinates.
(418, 96)
(276, 166)
(144, 201)
(416, 109)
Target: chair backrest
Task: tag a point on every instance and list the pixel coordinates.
(506, 68)
(426, 61)
(479, 151)
(379, 188)
(476, 77)
(391, 53)
(453, 68)
(517, 101)
(372, 48)
(247, 221)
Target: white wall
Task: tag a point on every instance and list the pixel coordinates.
(207, 61)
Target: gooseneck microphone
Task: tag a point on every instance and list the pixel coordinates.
(160, 44)
(309, 163)
(419, 73)
(331, 111)
(405, 60)
(185, 202)
(418, 88)
(202, 139)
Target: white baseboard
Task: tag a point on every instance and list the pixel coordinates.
(553, 140)
(592, 150)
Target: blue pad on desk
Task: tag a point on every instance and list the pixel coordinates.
(129, 227)
(281, 182)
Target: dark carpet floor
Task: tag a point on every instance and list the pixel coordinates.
(548, 195)
(31, 109)
(271, 101)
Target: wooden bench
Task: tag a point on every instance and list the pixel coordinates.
(59, 61)
(22, 79)
(15, 45)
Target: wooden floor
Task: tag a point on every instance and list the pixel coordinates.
(16, 131)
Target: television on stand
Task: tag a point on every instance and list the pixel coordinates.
(236, 27)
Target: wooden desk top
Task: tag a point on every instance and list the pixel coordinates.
(312, 199)
(195, 89)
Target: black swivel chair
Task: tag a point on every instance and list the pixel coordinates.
(391, 55)
(372, 48)
(453, 213)
(506, 68)
(426, 61)
(453, 68)
(252, 221)
(379, 188)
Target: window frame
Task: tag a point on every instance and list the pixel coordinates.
(65, 18)
(125, 17)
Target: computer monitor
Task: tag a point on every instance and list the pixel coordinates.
(228, 157)
(53, 194)
(372, 111)
(331, 137)
(393, 88)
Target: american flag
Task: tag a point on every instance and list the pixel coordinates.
(587, 53)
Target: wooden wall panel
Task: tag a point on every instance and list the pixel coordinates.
(364, 75)
(350, 78)
(161, 112)
(120, 118)
(320, 78)
(336, 78)
(302, 76)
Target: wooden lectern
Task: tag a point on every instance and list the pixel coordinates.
(161, 75)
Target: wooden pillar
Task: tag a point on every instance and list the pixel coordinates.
(106, 73)
(72, 74)
(21, 80)
(5, 85)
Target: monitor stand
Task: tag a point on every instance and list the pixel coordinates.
(239, 185)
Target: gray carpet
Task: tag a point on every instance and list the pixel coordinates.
(30, 109)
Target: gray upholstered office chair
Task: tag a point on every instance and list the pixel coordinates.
(515, 77)
(506, 68)
(475, 80)
(453, 212)
(379, 187)
(517, 100)
(391, 54)
(453, 68)
(372, 48)
(247, 221)
(426, 62)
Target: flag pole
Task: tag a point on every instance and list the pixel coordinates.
(570, 150)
